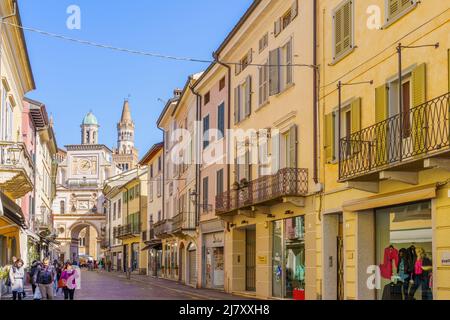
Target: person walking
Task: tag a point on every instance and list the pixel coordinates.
(44, 277)
(68, 278)
(58, 271)
(17, 278)
(31, 274)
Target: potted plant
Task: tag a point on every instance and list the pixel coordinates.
(4, 274)
(244, 183)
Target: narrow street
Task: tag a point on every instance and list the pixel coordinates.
(115, 286)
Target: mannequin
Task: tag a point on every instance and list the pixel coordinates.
(421, 276)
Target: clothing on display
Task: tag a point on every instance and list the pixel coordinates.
(390, 256)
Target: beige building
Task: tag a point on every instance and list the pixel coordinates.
(269, 207)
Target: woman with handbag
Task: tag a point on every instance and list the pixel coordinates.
(17, 278)
(68, 281)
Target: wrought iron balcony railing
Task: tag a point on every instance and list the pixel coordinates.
(183, 222)
(16, 169)
(287, 182)
(129, 230)
(162, 228)
(423, 132)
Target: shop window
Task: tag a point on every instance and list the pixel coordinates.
(404, 244)
(288, 258)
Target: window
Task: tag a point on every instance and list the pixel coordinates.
(150, 190)
(222, 84)
(206, 132)
(396, 8)
(243, 100)
(350, 124)
(263, 84)
(205, 192)
(285, 20)
(290, 147)
(244, 62)
(151, 171)
(263, 42)
(119, 209)
(62, 207)
(221, 120)
(114, 211)
(159, 164)
(137, 190)
(207, 98)
(343, 30)
(125, 197)
(159, 215)
(242, 163)
(219, 182)
(280, 69)
(131, 194)
(158, 187)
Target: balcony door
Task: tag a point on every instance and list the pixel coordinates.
(400, 129)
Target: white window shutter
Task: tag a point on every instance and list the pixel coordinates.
(274, 74)
(248, 96)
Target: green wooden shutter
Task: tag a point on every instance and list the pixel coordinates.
(248, 96)
(394, 8)
(328, 144)
(356, 115)
(419, 85)
(381, 114)
(274, 74)
(343, 29)
(236, 104)
(419, 130)
(293, 147)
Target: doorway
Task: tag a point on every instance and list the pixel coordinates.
(250, 259)
(340, 258)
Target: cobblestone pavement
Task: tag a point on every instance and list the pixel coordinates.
(102, 285)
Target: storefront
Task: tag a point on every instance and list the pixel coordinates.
(134, 257)
(154, 252)
(288, 258)
(170, 266)
(213, 260)
(404, 252)
(192, 264)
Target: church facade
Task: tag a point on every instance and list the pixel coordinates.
(79, 208)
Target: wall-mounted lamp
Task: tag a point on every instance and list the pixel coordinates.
(289, 212)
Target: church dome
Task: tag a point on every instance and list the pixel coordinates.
(90, 119)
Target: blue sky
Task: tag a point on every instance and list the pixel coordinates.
(72, 79)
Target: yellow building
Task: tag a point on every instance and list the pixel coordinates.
(269, 207)
(16, 166)
(385, 150)
(133, 230)
(153, 246)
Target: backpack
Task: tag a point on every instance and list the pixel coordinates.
(45, 276)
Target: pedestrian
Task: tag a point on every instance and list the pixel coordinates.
(17, 278)
(44, 277)
(31, 274)
(68, 278)
(58, 270)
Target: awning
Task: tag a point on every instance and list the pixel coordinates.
(152, 244)
(392, 199)
(11, 210)
(32, 235)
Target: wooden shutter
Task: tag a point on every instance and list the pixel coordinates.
(294, 10)
(293, 146)
(289, 62)
(329, 137)
(398, 6)
(343, 25)
(277, 27)
(237, 101)
(381, 114)
(274, 74)
(275, 158)
(250, 56)
(260, 86)
(248, 96)
(419, 85)
(419, 130)
(356, 115)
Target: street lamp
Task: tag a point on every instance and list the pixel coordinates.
(15, 152)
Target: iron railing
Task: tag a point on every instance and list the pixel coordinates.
(287, 182)
(183, 222)
(423, 131)
(128, 230)
(162, 227)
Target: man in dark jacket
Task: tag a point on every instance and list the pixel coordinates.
(32, 272)
(44, 277)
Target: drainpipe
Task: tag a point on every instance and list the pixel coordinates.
(315, 94)
(216, 59)
(197, 165)
(163, 167)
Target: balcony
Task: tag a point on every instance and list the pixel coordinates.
(288, 182)
(393, 149)
(162, 228)
(183, 223)
(16, 169)
(128, 231)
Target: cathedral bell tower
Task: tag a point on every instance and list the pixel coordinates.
(126, 155)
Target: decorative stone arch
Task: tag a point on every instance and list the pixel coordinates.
(74, 230)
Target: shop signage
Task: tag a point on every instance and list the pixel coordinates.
(262, 259)
(445, 259)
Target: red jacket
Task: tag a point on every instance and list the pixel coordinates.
(390, 254)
